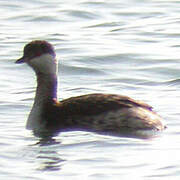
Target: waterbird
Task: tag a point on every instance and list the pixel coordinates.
(96, 112)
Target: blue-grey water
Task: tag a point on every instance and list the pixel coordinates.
(127, 47)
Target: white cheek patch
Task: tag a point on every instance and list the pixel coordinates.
(45, 64)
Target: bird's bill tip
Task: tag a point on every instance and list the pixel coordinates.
(21, 60)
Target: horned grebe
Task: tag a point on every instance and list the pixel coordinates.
(101, 113)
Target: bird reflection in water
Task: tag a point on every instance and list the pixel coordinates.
(48, 158)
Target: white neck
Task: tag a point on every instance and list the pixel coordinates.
(45, 64)
(46, 92)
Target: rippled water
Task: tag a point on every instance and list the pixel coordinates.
(125, 47)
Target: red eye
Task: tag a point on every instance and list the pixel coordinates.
(38, 53)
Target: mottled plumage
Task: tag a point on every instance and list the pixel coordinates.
(102, 113)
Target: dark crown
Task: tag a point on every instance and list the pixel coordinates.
(37, 48)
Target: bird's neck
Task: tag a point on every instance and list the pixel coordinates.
(46, 93)
(46, 88)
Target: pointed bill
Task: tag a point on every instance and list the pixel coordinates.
(21, 60)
